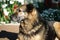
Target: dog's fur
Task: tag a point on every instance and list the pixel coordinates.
(33, 26)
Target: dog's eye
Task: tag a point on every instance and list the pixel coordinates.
(19, 10)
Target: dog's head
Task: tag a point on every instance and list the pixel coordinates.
(27, 11)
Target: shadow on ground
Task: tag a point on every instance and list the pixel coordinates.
(9, 35)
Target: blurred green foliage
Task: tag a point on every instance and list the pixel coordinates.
(9, 9)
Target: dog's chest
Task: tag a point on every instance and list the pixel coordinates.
(38, 36)
(34, 37)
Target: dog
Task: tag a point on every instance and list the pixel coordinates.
(32, 25)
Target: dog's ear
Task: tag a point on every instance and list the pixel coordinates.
(29, 7)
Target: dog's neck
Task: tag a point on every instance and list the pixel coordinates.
(33, 30)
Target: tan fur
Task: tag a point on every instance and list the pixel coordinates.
(33, 27)
(27, 26)
(57, 28)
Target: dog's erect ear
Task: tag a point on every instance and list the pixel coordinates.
(29, 7)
